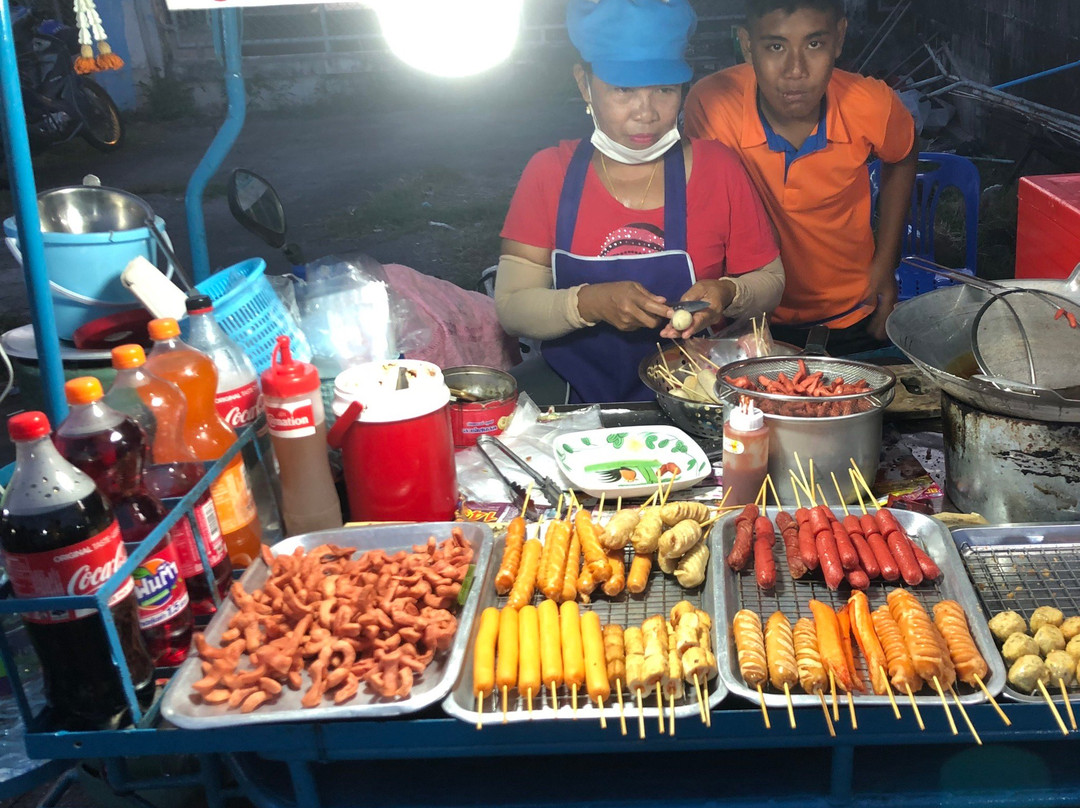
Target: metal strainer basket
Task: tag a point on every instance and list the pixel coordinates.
(879, 393)
(1016, 338)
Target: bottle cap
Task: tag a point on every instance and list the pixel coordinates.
(163, 328)
(196, 304)
(28, 425)
(286, 376)
(83, 390)
(746, 417)
(128, 356)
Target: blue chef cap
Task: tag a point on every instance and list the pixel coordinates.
(633, 43)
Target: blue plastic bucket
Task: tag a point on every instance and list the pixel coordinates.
(84, 270)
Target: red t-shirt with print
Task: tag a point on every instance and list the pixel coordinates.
(727, 230)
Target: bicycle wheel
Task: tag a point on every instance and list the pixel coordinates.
(102, 127)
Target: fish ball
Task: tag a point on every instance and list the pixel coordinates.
(681, 320)
(1003, 624)
(1070, 628)
(1018, 645)
(1026, 673)
(1049, 638)
(1044, 616)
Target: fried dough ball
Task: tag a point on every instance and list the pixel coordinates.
(1003, 624)
(1070, 628)
(1018, 645)
(1072, 648)
(1049, 638)
(1046, 616)
(1061, 666)
(1026, 673)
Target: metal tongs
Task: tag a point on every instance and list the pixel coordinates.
(547, 487)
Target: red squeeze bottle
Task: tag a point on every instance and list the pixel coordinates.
(110, 447)
(746, 453)
(59, 536)
(297, 423)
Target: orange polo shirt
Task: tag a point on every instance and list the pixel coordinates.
(821, 210)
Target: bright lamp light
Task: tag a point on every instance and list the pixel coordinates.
(450, 37)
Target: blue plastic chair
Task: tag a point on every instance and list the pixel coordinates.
(942, 171)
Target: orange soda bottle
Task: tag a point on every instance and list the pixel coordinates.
(208, 436)
(172, 470)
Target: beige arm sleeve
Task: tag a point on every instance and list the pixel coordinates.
(757, 291)
(526, 304)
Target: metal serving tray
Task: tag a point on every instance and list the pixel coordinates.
(1020, 567)
(739, 590)
(180, 708)
(661, 593)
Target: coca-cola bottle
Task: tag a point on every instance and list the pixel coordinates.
(109, 446)
(159, 408)
(59, 537)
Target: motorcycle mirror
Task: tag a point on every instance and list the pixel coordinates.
(255, 204)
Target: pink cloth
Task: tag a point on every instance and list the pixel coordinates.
(464, 328)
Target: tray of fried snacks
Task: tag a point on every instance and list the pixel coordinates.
(1027, 578)
(800, 627)
(630, 645)
(357, 622)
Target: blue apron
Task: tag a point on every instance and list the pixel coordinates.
(601, 363)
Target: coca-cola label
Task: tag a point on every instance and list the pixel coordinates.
(159, 589)
(78, 569)
(183, 539)
(240, 406)
(292, 419)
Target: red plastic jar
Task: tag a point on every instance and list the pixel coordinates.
(496, 397)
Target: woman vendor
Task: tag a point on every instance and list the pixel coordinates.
(604, 235)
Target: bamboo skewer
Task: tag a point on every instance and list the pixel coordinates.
(839, 494)
(915, 708)
(554, 697)
(858, 493)
(832, 695)
(888, 690)
(993, 701)
(660, 708)
(640, 716)
(528, 496)
(622, 713)
(573, 700)
(528, 701)
(701, 700)
(764, 712)
(671, 714)
(790, 706)
(1068, 704)
(945, 704)
(828, 718)
(795, 489)
(1053, 708)
(479, 710)
(600, 706)
(851, 709)
(967, 719)
(862, 481)
(772, 488)
(504, 690)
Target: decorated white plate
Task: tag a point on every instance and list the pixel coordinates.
(630, 461)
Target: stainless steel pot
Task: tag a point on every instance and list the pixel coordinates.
(934, 331)
(1010, 469)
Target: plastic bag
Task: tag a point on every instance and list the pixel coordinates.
(752, 337)
(350, 315)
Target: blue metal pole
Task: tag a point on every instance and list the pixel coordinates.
(1049, 72)
(24, 191)
(228, 22)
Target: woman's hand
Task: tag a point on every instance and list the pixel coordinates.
(718, 293)
(627, 305)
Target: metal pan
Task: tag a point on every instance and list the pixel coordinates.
(740, 591)
(661, 593)
(429, 687)
(1019, 567)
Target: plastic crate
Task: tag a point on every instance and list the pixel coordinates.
(249, 310)
(914, 282)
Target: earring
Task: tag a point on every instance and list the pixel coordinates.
(588, 110)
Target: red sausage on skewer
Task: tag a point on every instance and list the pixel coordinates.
(764, 563)
(849, 557)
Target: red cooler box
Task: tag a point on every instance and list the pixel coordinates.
(1048, 226)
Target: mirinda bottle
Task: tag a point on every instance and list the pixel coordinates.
(172, 470)
(208, 436)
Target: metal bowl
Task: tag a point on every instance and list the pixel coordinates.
(91, 209)
(703, 420)
(833, 442)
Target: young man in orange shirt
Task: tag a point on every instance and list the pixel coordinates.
(805, 131)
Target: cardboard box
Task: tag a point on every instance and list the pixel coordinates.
(1048, 226)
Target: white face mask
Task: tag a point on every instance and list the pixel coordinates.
(624, 154)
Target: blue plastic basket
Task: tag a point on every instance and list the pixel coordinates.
(249, 310)
(914, 282)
